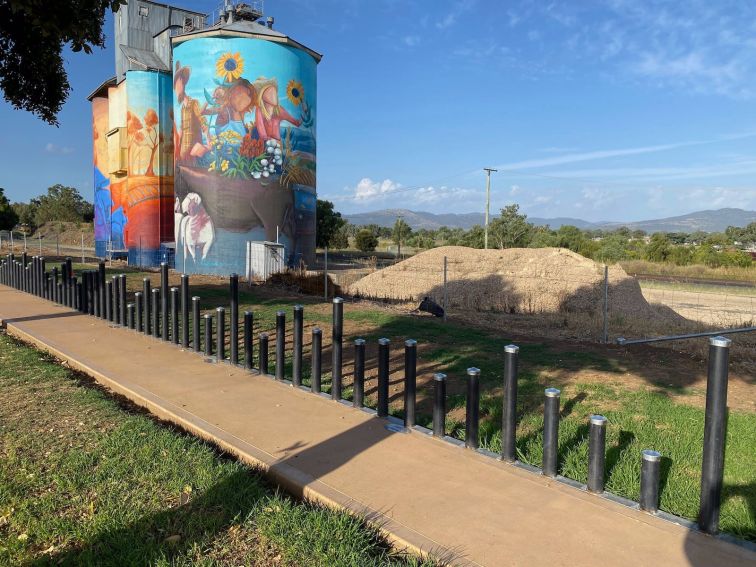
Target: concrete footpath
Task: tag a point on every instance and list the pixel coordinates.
(427, 494)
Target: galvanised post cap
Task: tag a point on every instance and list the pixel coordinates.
(163, 264)
(650, 455)
(338, 300)
(145, 279)
(317, 331)
(473, 371)
(280, 313)
(439, 377)
(263, 335)
(383, 341)
(512, 349)
(155, 290)
(220, 309)
(130, 306)
(174, 289)
(298, 307)
(720, 342)
(138, 294)
(410, 342)
(359, 342)
(196, 298)
(598, 420)
(552, 392)
(234, 275)
(208, 316)
(621, 340)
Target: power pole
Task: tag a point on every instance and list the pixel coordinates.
(399, 236)
(488, 171)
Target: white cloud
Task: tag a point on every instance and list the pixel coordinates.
(51, 148)
(369, 190)
(411, 40)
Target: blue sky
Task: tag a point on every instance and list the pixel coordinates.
(598, 109)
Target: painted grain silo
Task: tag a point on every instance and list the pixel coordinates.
(244, 107)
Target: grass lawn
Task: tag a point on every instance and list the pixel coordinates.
(84, 481)
(647, 407)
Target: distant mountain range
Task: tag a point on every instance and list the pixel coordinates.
(707, 221)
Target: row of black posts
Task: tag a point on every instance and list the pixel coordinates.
(91, 293)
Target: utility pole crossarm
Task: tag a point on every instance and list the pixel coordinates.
(488, 171)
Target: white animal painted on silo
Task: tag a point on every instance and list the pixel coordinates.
(196, 228)
(178, 219)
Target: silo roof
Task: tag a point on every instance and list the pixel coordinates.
(103, 87)
(248, 29)
(143, 58)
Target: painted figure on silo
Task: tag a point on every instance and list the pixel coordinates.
(247, 160)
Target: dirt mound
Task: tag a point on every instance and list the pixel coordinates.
(516, 280)
(66, 233)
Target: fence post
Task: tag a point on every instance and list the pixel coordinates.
(649, 491)
(248, 352)
(325, 275)
(175, 315)
(101, 287)
(130, 316)
(383, 377)
(122, 297)
(264, 353)
(410, 381)
(196, 323)
(185, 311)
(509, 415)
(156, 312)
(109, 301)
(446, 292)
(472, 414)
(220, 334)
(138, 311)
(298, 339)
(280, 344)
(358, 397)
(596, 453)
(715, 434)
(164, 299)
(147, 294)
(317, 361)
(439, 404)
(550, 431)
(208, 335)
(234, 328)
(337, 339)
(606, 304)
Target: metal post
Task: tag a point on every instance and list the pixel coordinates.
(196, 323)
(185, 311)
(82, 248)
(156, 312)
(91, 291)
(325, 275)
(263, 353)
(550, 431)
(358, 397)
(147, 293)
(280, 344)
(175, 315)
(509, 414)
(96, 294)
(606, 304)
(69, 269)
(79, 295)
(48, 286)
(383, 377)
(116, 300)
(109, 301)
(234, 292)
(164, 300)
(298, 338)
(130, 316)
(208, 335)
(59, 293)
(248, 349)
(472, 415)
(338, 338)
(122, 297)
(317, 366)
(220, 334)
(439, 404)
(649, 492)
(138, 311)
(488, 171)
(101, 287)
(715, 433)
(410, 381)
(596, 453)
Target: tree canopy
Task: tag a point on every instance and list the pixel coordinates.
(33, 34)
(330, 225)
(8, 216)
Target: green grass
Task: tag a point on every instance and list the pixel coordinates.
(85, 482)
(695, 271)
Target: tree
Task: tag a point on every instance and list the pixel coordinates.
(401, 233)
(365, 241)
(329, 223)
(511, 229)
(572, 237)
(62, 203)
(340, 239)
(8, 216)
(26, 213)
(474, 237)
(659, 248)
(32, 36)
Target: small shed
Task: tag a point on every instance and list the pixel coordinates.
(265, 259)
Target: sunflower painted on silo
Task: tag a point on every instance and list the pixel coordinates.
(295, 92)
(230, 66)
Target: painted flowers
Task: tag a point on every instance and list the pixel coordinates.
(229, 66)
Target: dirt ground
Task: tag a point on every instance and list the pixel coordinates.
(711, 308)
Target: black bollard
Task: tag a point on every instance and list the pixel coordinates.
(220, 334)
(336, 349)
(109, 301)
(116, 300)
(596, 453)
(138, 311)
(175, 315)
(263, 353)
(649, 491)
(439, 404)
(69, 270)
(56, 295)
(358, 397)
(91, 293)
(472, 415)
(96, 295)
(383, 377)
(208, 335)
(715, 434)
(298, 332)
(234, 328)
(248, 349)
(280, 344)
(156, 312)
(196, 323)
(317, 360)
(185, 311)
(48, 286)
(164, 315)
(78, 295)
(130, 315)
(84, 291)
(147, 294)
(122, 298)
(550, 432)
(59, 293)
(410, 381)
(509, 416)
(101, 287)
